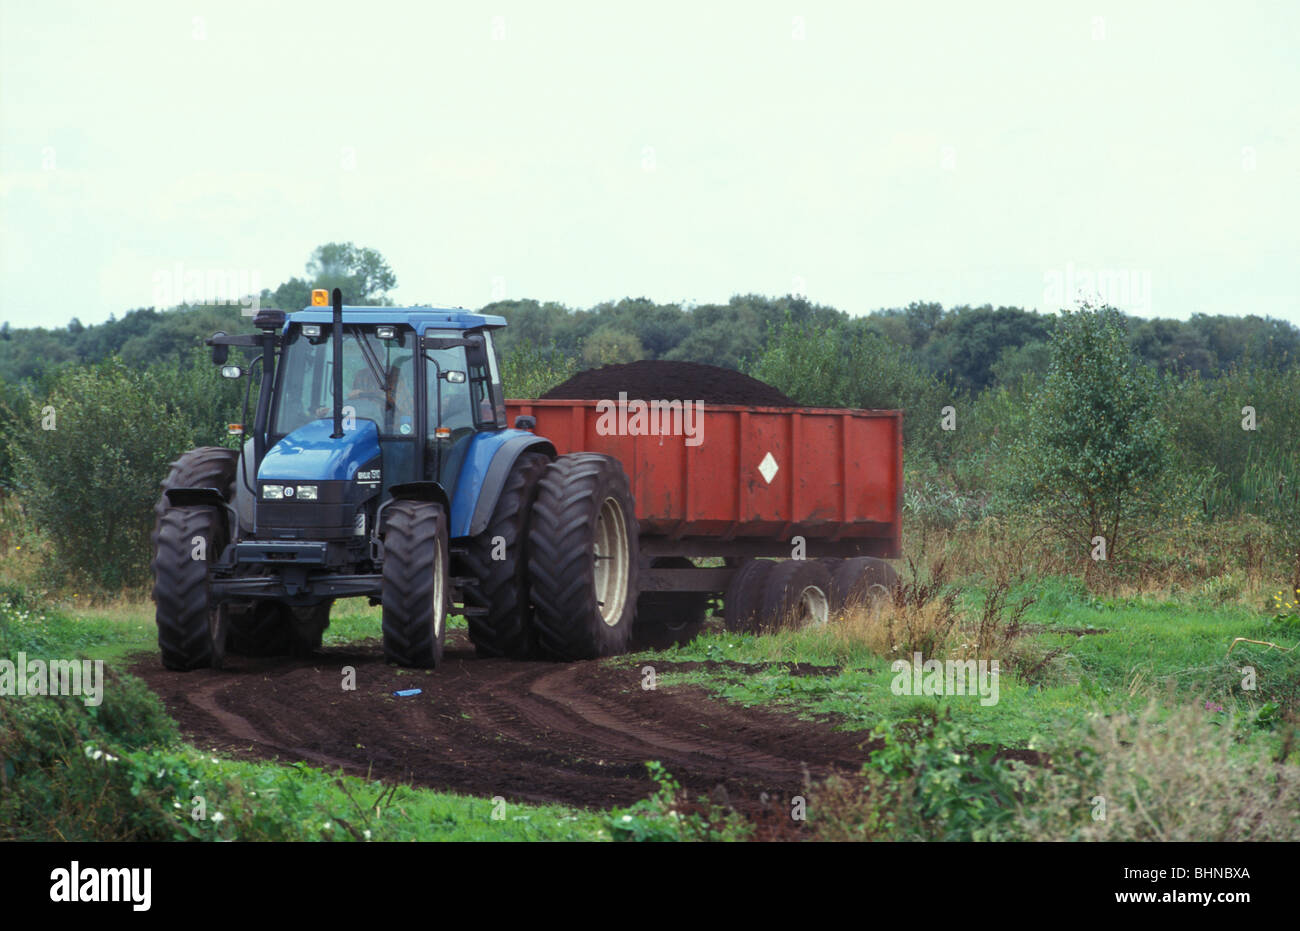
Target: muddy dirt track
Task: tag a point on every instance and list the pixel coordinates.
(577, 733)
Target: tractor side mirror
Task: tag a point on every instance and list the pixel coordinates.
(231, 371)
(220, 351)
(455, 376)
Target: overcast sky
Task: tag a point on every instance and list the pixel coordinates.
(865, 154)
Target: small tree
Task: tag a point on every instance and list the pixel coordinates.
(849, 365)
(1095, 456)
(87, 463)
(529, 371)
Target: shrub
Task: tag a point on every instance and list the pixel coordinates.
(849, 365)
(925, 781)
(1094, 460)
(529, 371)
(88, 462)
(1155, 777)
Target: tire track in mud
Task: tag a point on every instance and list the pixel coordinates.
(578, 733)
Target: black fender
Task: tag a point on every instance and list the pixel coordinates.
(421, 491)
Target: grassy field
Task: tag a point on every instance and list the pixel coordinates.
(1076, 671)
(1092, 655)
(119, 771)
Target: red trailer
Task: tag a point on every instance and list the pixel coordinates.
(745, 482)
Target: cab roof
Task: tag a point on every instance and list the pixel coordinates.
(419, 318)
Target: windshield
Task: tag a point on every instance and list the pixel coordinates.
(378, 379)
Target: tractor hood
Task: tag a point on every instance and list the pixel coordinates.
(311, 454)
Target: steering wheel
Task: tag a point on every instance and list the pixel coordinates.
(370, 394)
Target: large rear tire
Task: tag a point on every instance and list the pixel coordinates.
(500, 585)
(582, 558)
(416, 587)
(269, 628)
(185, 540)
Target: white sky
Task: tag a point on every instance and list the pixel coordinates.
(956, 152)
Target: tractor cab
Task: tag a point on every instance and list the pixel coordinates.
(418, 385)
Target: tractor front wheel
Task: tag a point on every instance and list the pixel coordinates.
(416, 587)
(185, 540)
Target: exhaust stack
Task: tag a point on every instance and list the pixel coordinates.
(338, 364)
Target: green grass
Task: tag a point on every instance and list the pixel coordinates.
(119, 771)
(1169, 651)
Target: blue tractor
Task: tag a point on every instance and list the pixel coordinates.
(380, 465)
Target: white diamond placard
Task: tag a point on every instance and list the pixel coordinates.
(768, 468)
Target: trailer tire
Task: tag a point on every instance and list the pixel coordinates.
(190, 634)
(668, 619)
(744, 596)
(500, 586)
(859, 580)
(582, 558)
(796, 594)
(416, 586)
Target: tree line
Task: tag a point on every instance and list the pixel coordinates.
(1096, 422)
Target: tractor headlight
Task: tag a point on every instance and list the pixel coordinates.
(307, 492)
(272, 492)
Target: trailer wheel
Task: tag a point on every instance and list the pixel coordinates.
(745, 595)
(861, 579)
(667, 619)
(796, 593)
(190, 634)
(582, 558)
(415, 585)
(501, 585)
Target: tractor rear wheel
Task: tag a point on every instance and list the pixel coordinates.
(261, 629)
(268, 628)
(416, 588)
(497, 567)
(185, 540)
(582, 558)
